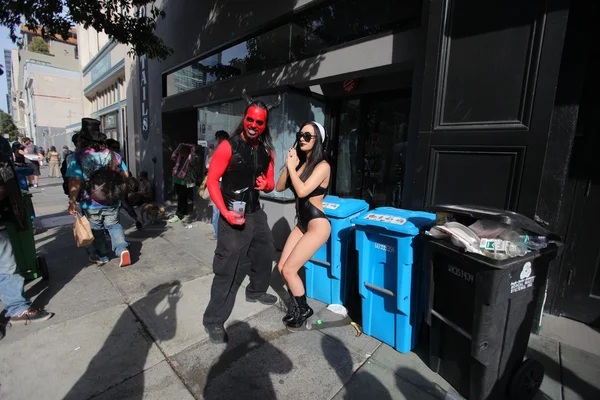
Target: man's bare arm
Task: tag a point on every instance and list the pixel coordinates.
(74, 188)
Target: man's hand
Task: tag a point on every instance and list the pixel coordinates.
(73, 208)
(232, 217)
(261, 182)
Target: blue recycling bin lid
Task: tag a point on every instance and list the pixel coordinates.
(337, 207)
(396, 220)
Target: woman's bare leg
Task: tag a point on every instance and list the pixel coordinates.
(290, 243)
(317, 234)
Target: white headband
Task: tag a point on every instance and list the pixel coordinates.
(321, 131)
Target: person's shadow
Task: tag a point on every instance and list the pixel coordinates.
(243, 371)
(125, 351)
(361, 384)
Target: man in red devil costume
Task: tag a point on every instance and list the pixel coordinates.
(245, 163)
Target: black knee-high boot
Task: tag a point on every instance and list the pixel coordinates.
(302, 313)
(291, 307)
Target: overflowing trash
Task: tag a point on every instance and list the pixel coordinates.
(489, 238)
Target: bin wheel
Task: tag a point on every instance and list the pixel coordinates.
(526, 381)
(43, 267)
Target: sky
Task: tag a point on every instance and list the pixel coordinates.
(5, 43)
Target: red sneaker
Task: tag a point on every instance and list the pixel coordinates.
(125, 258)
(30, 316)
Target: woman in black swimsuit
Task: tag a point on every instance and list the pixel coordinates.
(307, 175)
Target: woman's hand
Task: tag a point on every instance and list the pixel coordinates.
(292, 160)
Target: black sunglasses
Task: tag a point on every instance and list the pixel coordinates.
(307, 136)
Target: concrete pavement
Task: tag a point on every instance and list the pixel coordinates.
(136, 333)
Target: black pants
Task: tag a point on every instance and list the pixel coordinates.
(240, 250)
(183, 194)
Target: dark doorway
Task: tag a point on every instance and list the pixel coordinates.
(582, 262)
(581, 269)
(371, 147)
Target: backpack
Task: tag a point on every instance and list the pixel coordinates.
(107, 186)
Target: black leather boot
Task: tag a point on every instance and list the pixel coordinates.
(302, 313)
(291, 307)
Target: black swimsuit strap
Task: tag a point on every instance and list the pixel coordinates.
(319, 191)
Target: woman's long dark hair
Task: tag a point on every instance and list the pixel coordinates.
(318, 152)
(88, 144)
(265, 137)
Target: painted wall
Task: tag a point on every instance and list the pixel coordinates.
(90, 42)
(57, 98)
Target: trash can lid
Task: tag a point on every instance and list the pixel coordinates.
(397, 220)
(510, 218)
(337, 207)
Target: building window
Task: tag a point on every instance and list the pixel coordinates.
(308, 34)
(284, 122)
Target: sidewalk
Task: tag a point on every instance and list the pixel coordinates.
(136, 333)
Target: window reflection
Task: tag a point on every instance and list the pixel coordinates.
(348, 20)
(385, 152)
(283, 125)
(307, 35)
(347, 165)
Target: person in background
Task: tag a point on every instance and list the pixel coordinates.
(32, 153)
(66, 152)
(12, 209)
(42, 153)
(143, 194)
(114, 146)
(65, 163)
(18, 153)
(93, 156)
(185, 176)
(53, 159)
(220, 136)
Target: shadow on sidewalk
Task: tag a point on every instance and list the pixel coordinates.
(565, 376)
(361, 384)
(65, 260)
(243, 371)
(118, 358)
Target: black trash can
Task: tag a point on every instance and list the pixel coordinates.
(480, 311)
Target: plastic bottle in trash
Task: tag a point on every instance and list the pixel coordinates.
(515, 249)
(532, 242)
(501, 249)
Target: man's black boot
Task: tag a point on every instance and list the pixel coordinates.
(217, 334)
(265, 298)
(302, 313)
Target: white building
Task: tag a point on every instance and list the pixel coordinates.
(105, 68)
(45, 88)
(53, 100)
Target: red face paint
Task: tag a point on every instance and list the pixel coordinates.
(255, 121)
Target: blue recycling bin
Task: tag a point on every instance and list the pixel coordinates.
(326, 271)
(387, 240)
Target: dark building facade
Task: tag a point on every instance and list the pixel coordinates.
(425, 102)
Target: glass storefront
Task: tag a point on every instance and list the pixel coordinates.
(109, 125)
(307, 35)
(371, 148)
(284, 122)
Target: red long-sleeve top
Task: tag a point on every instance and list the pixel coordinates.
(218, 166)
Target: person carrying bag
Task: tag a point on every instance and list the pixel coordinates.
(82, 231)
